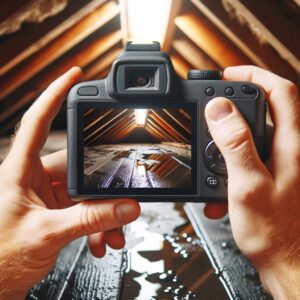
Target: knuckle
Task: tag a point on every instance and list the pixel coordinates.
(291, 89)
(237, 139)
(92, 220)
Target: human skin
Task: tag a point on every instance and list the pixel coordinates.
(263, 200)
(37, 218)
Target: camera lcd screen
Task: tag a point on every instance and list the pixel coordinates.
(138, 149)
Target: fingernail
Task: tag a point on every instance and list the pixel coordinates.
(126, 212)
(218, 108)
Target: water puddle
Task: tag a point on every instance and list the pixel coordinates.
(167, 259)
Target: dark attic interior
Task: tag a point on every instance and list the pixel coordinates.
(131, 148)
(173, 251)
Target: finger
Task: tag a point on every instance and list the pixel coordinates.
(97, 244)
(115, 238)
(215, 210)
(55, 165)
(284, 106)
(36, 121)
(283, 97)
(61, 195)
(90, 217)
(233, 137)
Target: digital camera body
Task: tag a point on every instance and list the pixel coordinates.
(141, 132)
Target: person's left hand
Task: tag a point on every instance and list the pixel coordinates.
(37, 217)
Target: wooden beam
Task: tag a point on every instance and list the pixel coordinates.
(212, 42)
(167, 127)
(157, 128)
(252, 37)
(175, 10)
(181, 66)
(29, 40)
(102, 63)
(193, 55)
(108, 125)
(81, 58)
(58, 47)
(177, 118)
(154, 132)
(239, 42)
(277, 28)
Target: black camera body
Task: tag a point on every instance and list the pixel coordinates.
(141, 132)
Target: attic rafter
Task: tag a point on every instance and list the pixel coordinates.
(108, 125)
(119, 129)
(18, 49)
(156, 126)
(229, 33)
(210, 41)
(82, 58)
(58, 47)
(97, 120)
(154, 131)
(125, 132)
(193, 55)
(159, 119)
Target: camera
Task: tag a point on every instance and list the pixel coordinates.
(141, 132)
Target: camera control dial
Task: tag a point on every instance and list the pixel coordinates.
(214, 159)
(204, 75)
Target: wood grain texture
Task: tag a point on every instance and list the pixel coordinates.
(79, 275)
(210, 41)
(58, 47)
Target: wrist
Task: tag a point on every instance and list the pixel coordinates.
(281, 280)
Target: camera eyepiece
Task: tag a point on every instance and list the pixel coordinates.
(142, 79)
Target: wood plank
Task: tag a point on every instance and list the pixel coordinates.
(81, 58)
(58, 47)
(255, 40)
(175, 10)
(280, 28)
(181, 66)
(34, 37)
(212, 42)
(193, 55)
(239, 42)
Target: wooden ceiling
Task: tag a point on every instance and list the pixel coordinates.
(109, 126)
(41, 39)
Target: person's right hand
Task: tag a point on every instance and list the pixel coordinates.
(263, 200)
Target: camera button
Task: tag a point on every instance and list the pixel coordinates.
(209, 91)
(247, 89)
(229, 91)
(88, 91)
(226, 181)
(212, 181)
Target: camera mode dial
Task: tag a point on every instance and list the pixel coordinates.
(204, 75)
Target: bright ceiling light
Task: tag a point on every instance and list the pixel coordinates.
(145, 21)
(140, 117)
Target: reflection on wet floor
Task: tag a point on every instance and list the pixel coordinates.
(166, 264)
(137, 166)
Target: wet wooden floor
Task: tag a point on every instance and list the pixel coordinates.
(137, 166)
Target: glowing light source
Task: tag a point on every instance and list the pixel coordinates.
(145, 21)
(140, 117)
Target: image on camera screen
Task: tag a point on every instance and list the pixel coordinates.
(137, 148)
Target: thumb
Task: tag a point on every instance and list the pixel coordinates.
(233, 137)
(85, 218)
